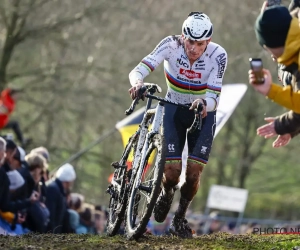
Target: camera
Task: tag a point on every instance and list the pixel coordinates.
(257, 66)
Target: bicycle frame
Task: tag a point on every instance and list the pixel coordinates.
(142, 131)
(145, 134)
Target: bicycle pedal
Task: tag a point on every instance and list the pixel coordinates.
(115, 164)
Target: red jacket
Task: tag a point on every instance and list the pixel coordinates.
(7, 106)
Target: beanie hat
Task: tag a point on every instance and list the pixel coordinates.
(20, 154)
(272, 26)
(10, 145)
(66, 173)
(15, 179)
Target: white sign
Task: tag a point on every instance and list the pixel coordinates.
(227, 198)
(231, 95)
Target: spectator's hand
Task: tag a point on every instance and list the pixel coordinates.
(195, 104)
(133, 91)
(282, 140)
(21, 218)
(34, 196)
(267, 130)
(43, 204)
(262, 88)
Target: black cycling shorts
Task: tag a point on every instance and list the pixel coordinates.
(175, 123)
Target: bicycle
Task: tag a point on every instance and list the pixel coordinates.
(128, 186)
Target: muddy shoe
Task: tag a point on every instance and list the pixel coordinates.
(180, 227)
(163, 205)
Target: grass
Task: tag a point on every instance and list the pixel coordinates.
(216, 241)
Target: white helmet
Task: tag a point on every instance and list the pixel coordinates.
(197, 27)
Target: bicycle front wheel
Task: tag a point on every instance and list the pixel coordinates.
(145, 189)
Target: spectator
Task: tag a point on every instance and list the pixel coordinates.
(229, 227)
(38, 214)
(215, 223)
(75, 202)
(11, 148)
(7, 106)
(6, 204)
(86, 225)
(18, 161)
(36, 165)
(279, 33)
(15, 180)
(98, 208)
(56, 198)
(287, 125)
(43, 151)
(100, 222)
(73, 219)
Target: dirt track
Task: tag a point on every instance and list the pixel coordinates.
(217, 241)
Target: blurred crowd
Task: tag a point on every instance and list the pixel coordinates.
(216, 223)
(202, 225)
(32, 201)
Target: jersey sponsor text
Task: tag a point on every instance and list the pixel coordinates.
(189, 73)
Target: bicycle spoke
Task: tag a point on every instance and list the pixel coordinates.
(144, 205)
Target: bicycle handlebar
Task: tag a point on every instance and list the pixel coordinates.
(197, 123)
(141, 92)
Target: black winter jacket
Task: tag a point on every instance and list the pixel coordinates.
(57, 205)
(6, 204)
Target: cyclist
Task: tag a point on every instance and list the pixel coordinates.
(194, 68)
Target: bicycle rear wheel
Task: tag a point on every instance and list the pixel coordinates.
(119, 192)
(145, 189)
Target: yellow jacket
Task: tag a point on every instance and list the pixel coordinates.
(285, 96)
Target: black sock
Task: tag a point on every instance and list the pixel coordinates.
(182, 208)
